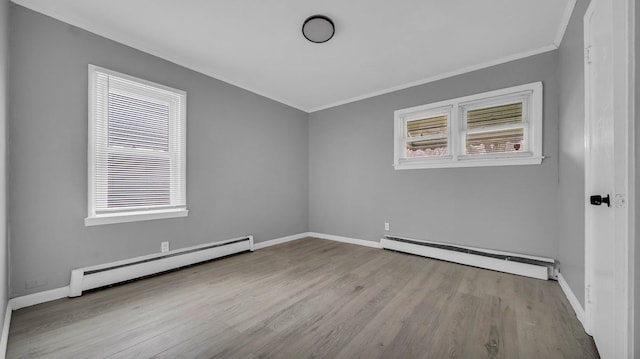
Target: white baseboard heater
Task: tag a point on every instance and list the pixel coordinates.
(111, 273)
(525, 265)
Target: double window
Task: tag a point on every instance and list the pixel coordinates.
(496, 128)
(137, 149)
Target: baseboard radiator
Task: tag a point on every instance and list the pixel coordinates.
(111, 273)
(525, 265)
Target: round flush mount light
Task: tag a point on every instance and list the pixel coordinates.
(318, 29)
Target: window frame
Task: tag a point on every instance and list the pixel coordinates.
(531, 96)
(176, 101)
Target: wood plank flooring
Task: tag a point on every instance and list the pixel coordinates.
(310, 298)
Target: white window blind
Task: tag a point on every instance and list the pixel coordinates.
(427, 136)
(137, 149)
(496, 129)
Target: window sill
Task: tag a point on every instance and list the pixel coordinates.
(134, 216)
(409, 164)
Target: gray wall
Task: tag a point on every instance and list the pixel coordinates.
(353, 189)
(572, 156)
(637, 189)
(246, 157)
(4, 258)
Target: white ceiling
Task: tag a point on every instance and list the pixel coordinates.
(379, 45)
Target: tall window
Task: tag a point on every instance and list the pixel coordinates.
(137, 149)
(496, 128)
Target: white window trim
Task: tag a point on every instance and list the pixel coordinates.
(93, 218)
(456, 158)
(135, 216)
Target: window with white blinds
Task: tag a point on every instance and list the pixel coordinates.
(427, 134)
(496, 128)
(137, 149)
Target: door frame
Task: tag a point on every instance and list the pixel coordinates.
(624, 178)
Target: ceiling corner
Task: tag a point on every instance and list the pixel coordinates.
(568, 10)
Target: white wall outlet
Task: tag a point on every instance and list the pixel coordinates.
(386, 226)
(164, 247)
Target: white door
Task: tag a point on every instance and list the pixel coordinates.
(603, 163)
(600, 218)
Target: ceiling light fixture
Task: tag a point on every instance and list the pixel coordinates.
(318, 29)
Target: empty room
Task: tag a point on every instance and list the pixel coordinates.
(334, 179)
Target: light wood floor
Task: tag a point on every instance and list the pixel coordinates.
(310, 298)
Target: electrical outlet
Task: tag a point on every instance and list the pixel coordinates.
(386, 226)
(35, 283)
(164, 247)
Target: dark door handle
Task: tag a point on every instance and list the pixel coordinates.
(598, 200)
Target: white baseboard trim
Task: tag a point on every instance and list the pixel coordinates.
(360, 242)
(273, 242)
(23, 302)
(331, 237)
(573, 300)
(38, 298)
(5, 331)
(101, 275)
(415, 247)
